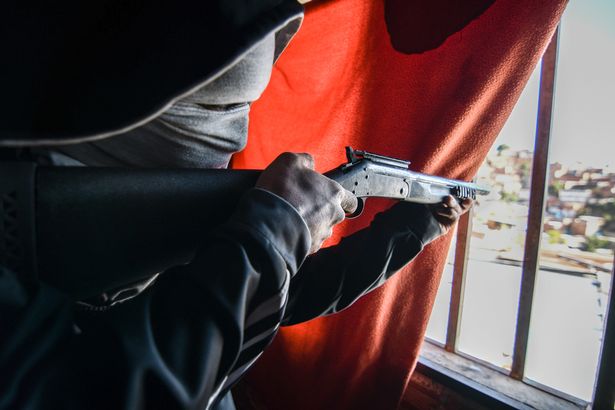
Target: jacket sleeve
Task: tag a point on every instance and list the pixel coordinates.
(335, 277)
(169, 347)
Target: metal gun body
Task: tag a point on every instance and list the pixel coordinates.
(370, 175)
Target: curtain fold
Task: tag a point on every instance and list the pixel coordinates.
(360, 73)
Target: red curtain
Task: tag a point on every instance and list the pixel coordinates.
(432, 84)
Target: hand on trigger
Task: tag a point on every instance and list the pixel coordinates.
(321, 202)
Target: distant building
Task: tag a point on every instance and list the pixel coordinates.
(573, 189)
(553, 225)
(580, 196)
(586, 225)
(524, 195)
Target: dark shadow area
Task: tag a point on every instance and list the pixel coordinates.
(417, 26)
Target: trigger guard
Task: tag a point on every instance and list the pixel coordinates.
(359, 210)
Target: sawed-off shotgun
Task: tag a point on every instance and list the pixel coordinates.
(86, 230)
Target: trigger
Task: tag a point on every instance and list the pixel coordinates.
(359, 210)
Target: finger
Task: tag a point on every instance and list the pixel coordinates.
(307, 160)
(466, 204)
(444, 211)
(447, 201)
(339, 216)
(445, 205)
(444, 220)
(452, 203)
(445, 224)
(450, 216)
(349, 202)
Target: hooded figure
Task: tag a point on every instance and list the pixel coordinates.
(151, 84)
(92, 83)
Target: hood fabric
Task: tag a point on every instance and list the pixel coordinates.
(81, 71)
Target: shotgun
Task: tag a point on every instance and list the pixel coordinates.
(87, 230)
(372, 175)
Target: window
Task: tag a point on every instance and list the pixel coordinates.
(526, 288)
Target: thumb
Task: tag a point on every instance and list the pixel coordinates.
(349, 202)
(307, 160)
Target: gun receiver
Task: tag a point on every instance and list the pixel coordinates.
(372, 175)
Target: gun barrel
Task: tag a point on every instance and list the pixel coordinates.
(427, 179)
(368, 177)
(451, 183)
(400, 169)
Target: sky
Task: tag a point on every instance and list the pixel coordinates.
(584, 112)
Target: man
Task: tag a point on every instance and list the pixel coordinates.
(187, 338)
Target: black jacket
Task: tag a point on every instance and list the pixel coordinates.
(84, 71)
(191, 335)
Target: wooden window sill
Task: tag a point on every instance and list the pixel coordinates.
(482, 384)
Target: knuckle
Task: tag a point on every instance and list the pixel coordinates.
(286, 158)
(289, 156)
(307, 156)
(308, 160)
(338, 190)
(302, 159)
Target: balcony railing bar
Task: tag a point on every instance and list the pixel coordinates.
(464, 230)
(536, 207)
(604, 391)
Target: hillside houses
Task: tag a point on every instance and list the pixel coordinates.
(580, 204)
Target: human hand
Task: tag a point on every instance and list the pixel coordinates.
(321, 201)
(449, 211)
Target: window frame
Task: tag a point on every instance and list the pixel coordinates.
(604, 391)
